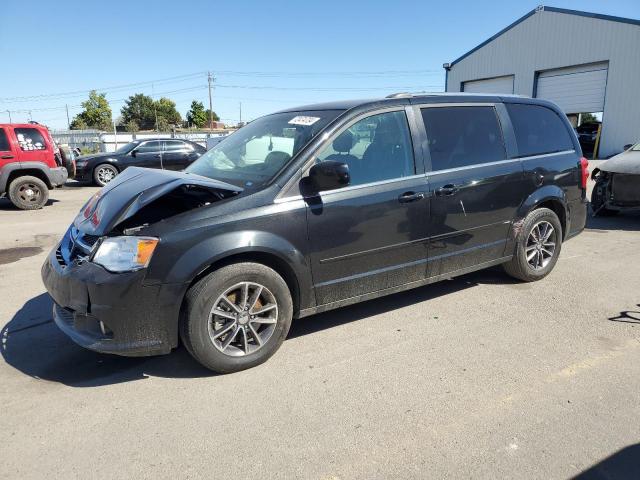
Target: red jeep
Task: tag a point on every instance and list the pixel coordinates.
(30, 164)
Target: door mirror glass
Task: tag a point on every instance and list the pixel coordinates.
(328, 175)
(134, 153)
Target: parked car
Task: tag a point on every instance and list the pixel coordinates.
(617, 187)
(311, 209)
(587, 135)
(164, 153)
(30, 164)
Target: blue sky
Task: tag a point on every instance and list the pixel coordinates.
(266, 54)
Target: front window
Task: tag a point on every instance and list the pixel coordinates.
(127, 147)
(250, 157)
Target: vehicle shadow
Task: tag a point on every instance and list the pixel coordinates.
(5, 204)
(626, 222)
(33, 344)
(622, 465)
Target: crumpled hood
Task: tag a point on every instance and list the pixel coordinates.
(626, 162)
(133, 189)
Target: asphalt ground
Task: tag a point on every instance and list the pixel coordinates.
(476, 377)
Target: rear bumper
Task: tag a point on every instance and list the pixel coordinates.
(112, 312)
(58, 176)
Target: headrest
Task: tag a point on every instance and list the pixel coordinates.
(343, 142)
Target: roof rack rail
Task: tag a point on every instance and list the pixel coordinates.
(451, 94)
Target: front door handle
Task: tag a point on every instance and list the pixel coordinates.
(446, 190)
(408, 197)
(6, 157)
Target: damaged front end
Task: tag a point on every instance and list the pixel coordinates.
(617, 187)
(102, 305)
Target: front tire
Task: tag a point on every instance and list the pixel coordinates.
(236, 317)
(104, 173)
(28, 193)
(537, 247)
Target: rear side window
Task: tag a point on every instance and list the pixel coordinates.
(538, 130)
(463, 136)
(174, 146)
(30, 139)
(4, 141)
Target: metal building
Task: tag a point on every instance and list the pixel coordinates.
(585, 62)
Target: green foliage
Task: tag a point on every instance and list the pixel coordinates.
(215, 116)
(163, 125)
(96, 113)
(588, 118)
(197, 115)
(142, 110)
(132, 126)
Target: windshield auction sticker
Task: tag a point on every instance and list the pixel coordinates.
(302, 120)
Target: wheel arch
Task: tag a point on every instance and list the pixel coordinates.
(551, 197)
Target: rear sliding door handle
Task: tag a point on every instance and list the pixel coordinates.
(446, 190)
(407, 197)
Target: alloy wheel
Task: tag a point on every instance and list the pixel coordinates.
(243, 319)
(541, 245)
(106, 174)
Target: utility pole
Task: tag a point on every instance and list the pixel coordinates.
(240, 113)
(30, 117)
(155, 109)
(9, 112)
(210, 79)
(68, 124)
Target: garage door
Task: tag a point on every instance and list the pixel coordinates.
(490, 85)
(575, 89)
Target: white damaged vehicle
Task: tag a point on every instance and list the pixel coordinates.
(617, 186)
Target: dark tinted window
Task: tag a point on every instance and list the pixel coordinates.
(176, 146)
(462, 136)
(149, 147)
(4, 141)
(538, 130)
(375, 148)
(30, 139)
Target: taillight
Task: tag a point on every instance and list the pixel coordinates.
(584, 170)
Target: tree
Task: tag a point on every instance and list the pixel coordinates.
(215, 116)
(146, 112)
(163, 125)
(131, 126)
(166, 110)
(588, 118)
(197, 115)
(96, 113)
(138, 108)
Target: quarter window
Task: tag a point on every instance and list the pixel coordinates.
(30, 139)
(4, 141)
(375, 148)
(538, 130)
(463, 136)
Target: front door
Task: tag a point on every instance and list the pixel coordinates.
(7, 155)
(475, 190)
(147, 154)
(371, 235)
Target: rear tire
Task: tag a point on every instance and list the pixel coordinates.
(28, 193)
(104, 173)
(240, 336)
(537, 247)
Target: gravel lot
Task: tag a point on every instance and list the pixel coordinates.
(475, 377)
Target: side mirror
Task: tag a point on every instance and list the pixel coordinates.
(329, 175)
(134, 153)
(628, 146)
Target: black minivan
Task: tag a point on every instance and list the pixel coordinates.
(313, 208)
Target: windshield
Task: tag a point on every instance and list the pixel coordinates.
(127, 148)
(251, 156)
